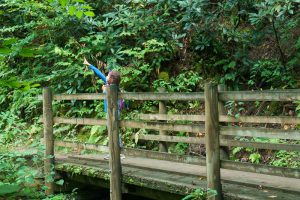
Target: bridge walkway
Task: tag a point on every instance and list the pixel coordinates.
(182, 178)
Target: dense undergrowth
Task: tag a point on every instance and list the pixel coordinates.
(179, 45)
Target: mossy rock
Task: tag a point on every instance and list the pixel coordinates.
(164, 76)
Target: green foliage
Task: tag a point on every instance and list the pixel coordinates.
(235, 108)
(180, 148)
(7, 188)
(200, 194)
(185, 82)
(286, 159)
(270, 73)
(97, 134)
(17, 177)
(255, 158)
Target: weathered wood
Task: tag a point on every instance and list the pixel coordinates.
(49, 140)
(262, 169)
(175, 176)
(79, 145)
(261, 119)
(261, 132)
(212, 140)
(224, 151)
(260, 145)
(165, 156)
(167, 117)
(196, 118)
(267, 95)
(166, 138)
(221, 106)
(247, 167)
(80, 121)
(163, 96)
(193, 128)
(223, 142)
(114, 147)
(187, 96)
(224, 118)
(163, 147)
(84, 96)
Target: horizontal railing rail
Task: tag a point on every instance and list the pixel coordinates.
(224, 118)
(260, 132)
(157, 96)
(266, 95)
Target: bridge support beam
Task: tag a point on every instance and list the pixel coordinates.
(49, 141)
(212, 140)
(163, 146)
(114, 143)
(224, 150)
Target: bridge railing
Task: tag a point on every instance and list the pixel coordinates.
(218, 127)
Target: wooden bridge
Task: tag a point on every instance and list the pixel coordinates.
(162, 175)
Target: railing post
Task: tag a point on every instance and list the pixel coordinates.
(48, 140)
(212, 140)
(114, 146)
(163, 146)
(224, 151)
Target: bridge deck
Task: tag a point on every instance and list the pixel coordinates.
(181, 178)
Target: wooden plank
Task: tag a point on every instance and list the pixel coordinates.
(224, 150)
(114, 143)
(224, 118)
(166, 138)
(226, 164)
(79, 145)
(49, 140)
(212, 140)
(262, 169)
(80, 121)
(267, 95)
(167, 117)
(193, 128)
(261, 132)
(260, 145)
(84, 96)
(261, 119)
(165, 156)
(163, 147)
(163, 96)
(200, 118)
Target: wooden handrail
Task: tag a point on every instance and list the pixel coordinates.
(266, 95)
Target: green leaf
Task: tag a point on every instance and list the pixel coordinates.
(35, 85)
(89, 13)
(5, 51)
(27, 52)
(72, 10)
(232, 64)
(63, 3)
(60, 182)
(236, 150)
(255, 157)
(94, 130)
(9, 41)
(8, 188)
(79, 14)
